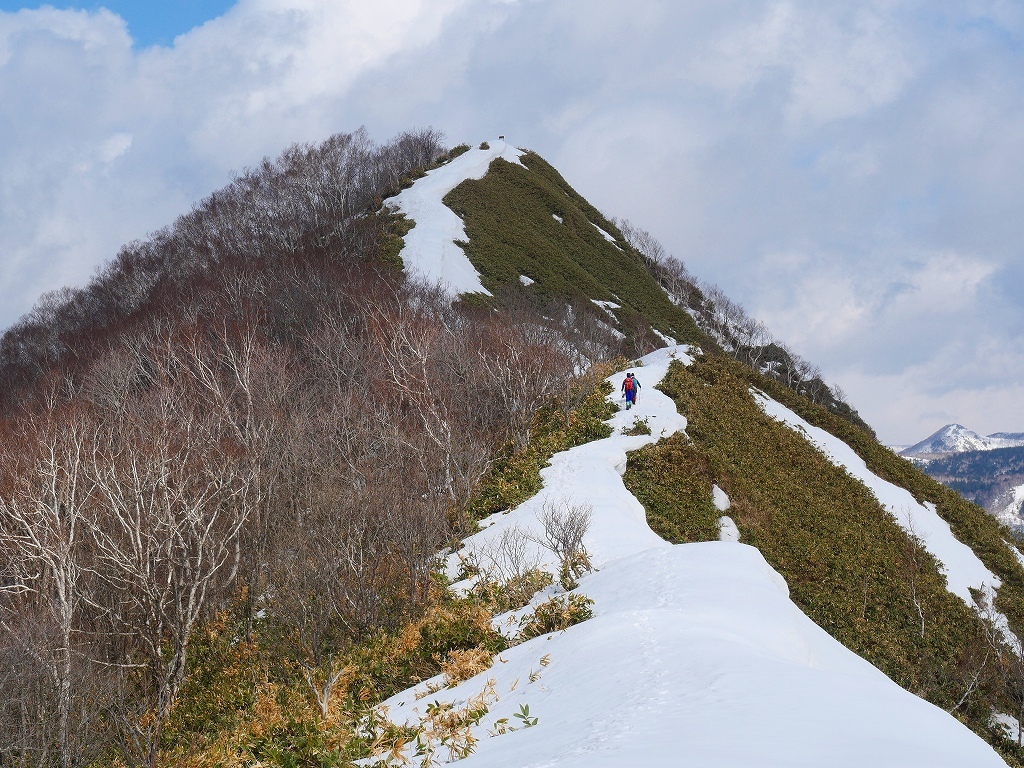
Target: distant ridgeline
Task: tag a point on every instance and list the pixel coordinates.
(990, 479)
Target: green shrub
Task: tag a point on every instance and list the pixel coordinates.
(673, 481)
(484, 145)
(554, 615)
(220, 686)
(513, 594)
(640, 427)
(296, 744)
(394, 227)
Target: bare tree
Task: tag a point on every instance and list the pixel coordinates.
(642, 241)
(914, 557)
(42, 526)
(507, 558)
(565, 527)
(172, 502)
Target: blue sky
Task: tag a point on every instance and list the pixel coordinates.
(851, 172)
(150, 22)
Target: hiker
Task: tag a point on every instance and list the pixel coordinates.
(630, 386)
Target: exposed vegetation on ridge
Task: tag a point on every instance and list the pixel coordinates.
(672, 479)
(848, 564)
(510, 218)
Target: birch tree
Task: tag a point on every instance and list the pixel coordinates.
(43, 509)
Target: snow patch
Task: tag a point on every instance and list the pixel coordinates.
(526, 281)
(1009, 725)
(727, 530)
(430, 252)
(722, 503)
(615, 332)
(557, 218)
(669, 341)
(608, 306)
(606, 236)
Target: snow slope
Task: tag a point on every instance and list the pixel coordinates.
(430, 252)
(695, 655)
(963, 569)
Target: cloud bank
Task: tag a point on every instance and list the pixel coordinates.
(851, 172)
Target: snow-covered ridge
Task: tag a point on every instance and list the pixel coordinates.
(430, 252)
(695, 655)
(592, 474)
(955, 438)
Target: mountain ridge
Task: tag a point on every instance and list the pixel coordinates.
(367, 422)
(955, 438)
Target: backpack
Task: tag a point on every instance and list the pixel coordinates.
(628, 384)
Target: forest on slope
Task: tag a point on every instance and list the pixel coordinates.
(251, 413)
(987, 478)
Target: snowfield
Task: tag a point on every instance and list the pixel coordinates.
(430, 252)
(695, 656)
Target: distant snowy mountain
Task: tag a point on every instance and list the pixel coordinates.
(986, 470)
(955, 438)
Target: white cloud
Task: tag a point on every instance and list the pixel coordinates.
(837, 61)
(101, 143)
(853, 172)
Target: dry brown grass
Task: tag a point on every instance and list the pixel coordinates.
(462, 665)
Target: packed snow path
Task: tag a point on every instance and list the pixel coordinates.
(591, 474)
(430, 252)
(695, 655)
